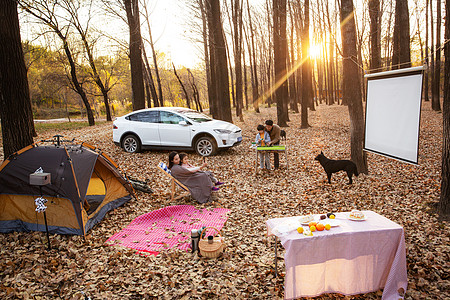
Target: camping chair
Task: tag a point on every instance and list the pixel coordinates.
(173, 183)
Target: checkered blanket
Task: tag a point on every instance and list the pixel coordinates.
(167, 227)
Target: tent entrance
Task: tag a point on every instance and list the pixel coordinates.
(96, 193)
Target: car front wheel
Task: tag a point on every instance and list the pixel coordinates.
(131, 144)
(205, 146)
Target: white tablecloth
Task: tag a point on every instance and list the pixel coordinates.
(354, 258)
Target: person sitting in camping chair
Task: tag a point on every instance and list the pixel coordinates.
(198, 183)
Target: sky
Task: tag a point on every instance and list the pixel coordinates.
(168, 22)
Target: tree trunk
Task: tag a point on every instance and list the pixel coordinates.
(220, 68)
(244, 69)
(427, 62)
(151, 83)
(15, 106)
(73, 74)
(255, 88)
(436, 99)
(401, 57)
(351, 85)
(292, 77)
(331, 93)
(155, 62)
(230, 68)
(237, 22)
(375, 36)
(196, 96)
(188, 100)
(213, 104)
(431, 63)
(207, 56)
(306, 75)
(280, 49)
(444, 200)
(137, 75)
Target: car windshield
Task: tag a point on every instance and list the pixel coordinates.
(195, 116)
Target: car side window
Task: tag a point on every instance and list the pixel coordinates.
(170, 118)
(145, 116)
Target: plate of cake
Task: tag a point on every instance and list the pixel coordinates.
(356, 215)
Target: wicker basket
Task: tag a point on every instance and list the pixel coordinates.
(214, 249)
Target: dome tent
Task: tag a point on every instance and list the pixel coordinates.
(85, 185)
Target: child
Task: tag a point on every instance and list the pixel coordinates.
(184, 162)
(263, 139)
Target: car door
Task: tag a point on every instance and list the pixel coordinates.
(146, 125)
(171, 132)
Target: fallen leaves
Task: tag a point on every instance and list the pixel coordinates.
(403, 193)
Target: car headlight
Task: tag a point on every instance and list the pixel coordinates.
(222, 131)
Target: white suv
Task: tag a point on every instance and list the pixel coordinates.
(174, 128)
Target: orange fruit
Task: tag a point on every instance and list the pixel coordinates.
(312, 228)
(312, 224)
(300, 230)
(320, 227)
(327, 226)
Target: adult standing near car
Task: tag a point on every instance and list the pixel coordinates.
(274, 131)
(198, 183)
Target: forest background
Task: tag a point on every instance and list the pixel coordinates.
(289, 53)
(97, 31)
(294, 57)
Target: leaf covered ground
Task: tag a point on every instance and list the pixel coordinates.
(404, 193)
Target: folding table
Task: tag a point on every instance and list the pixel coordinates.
(355, 257)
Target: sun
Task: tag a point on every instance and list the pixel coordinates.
(315, 50)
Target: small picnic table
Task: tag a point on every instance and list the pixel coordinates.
(271, 149)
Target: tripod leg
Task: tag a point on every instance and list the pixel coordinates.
(46, 229)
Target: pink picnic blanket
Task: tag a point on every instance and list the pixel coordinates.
(168, 227)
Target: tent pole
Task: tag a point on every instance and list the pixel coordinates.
(46, 229)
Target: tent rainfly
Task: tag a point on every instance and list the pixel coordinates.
(85, 185)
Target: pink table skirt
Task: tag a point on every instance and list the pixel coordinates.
(354, 258)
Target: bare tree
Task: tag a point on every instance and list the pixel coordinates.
(150, 82)
(44, 12)
(72, 8)
(306, 71)
(237, 23)
(196, 95)
(15, 106)
(218, 61)
(186, 95)
(401, 57)
(435, 87)
(444, 200)
(155, 62)
(280, 57)
(137, 72)
(351, 85)
(252, 55)
(375, 34)
(425, 77)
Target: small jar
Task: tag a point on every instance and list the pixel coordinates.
(210, 239)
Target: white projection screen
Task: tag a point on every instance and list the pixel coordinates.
(393, 113)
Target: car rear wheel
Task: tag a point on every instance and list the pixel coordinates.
(131, 144)
(205, 146)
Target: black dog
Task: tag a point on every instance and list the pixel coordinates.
(332, 166)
